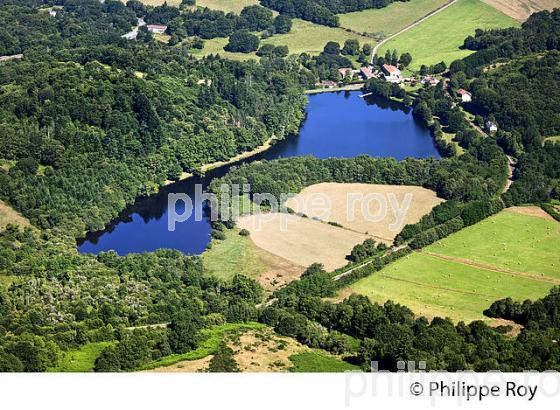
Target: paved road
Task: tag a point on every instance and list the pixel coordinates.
(426, 17)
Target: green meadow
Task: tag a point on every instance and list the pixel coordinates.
(390, 19)
(316, 362)
(440, 37)
(460, 276)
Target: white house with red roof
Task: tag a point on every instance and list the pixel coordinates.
(156, 28)
(465, 95)
(392, 73)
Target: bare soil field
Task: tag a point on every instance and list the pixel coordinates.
(522, 9)
(530, 211)
(380, 211)
(301, 241)
(9, 216)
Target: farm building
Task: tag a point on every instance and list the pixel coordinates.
(430, 80)
(157, 28)
(465, 95)
(491, 126)
(366, 73)
(392, 73)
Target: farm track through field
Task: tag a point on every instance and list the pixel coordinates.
(423, 19)
(492, 268)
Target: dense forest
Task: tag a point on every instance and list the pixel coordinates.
(86, 136)
(323, 11)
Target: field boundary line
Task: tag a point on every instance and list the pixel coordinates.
(463, 292)
(414, 24)
(492, 268)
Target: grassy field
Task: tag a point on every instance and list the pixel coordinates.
(305, 37)
(235, 255)
(159, 2)
(439, 38)
(213, 336)
(315, 362)
(508, 254)
(82, 359)
(239, 255)
(9, 216)
(390, 19)
(226, 6)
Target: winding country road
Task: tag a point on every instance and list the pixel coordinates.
(426, 17)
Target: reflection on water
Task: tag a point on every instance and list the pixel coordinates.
(337, 125)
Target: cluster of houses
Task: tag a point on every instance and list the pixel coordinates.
(152, 28)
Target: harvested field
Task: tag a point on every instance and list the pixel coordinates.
(530, 211)
(522, 9)
(380, 211)
(302, 241)
(227, 6)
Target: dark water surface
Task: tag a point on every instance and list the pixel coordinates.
(338, 125)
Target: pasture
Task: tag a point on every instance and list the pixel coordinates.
(381, 218)
(390, 19)
(301, 241)
(440, 37)
(507, 255)
(305, 37)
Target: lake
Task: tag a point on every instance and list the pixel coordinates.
(341, 124)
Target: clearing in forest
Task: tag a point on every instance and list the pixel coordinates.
(9, 216)
(380, 211)
(440, 37)
(507, 255)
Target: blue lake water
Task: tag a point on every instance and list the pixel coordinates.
(337, 125)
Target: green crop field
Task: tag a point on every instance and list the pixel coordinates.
(476, 271)
(315, 362)
(390, 19)
(305, 37)
(82, 359)
(439, 38)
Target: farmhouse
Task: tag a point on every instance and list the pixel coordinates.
(430, 80)
(366, 73)
(491, 126)
(392, 73)
(344, 72)
(465, 95)
(156, 28)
